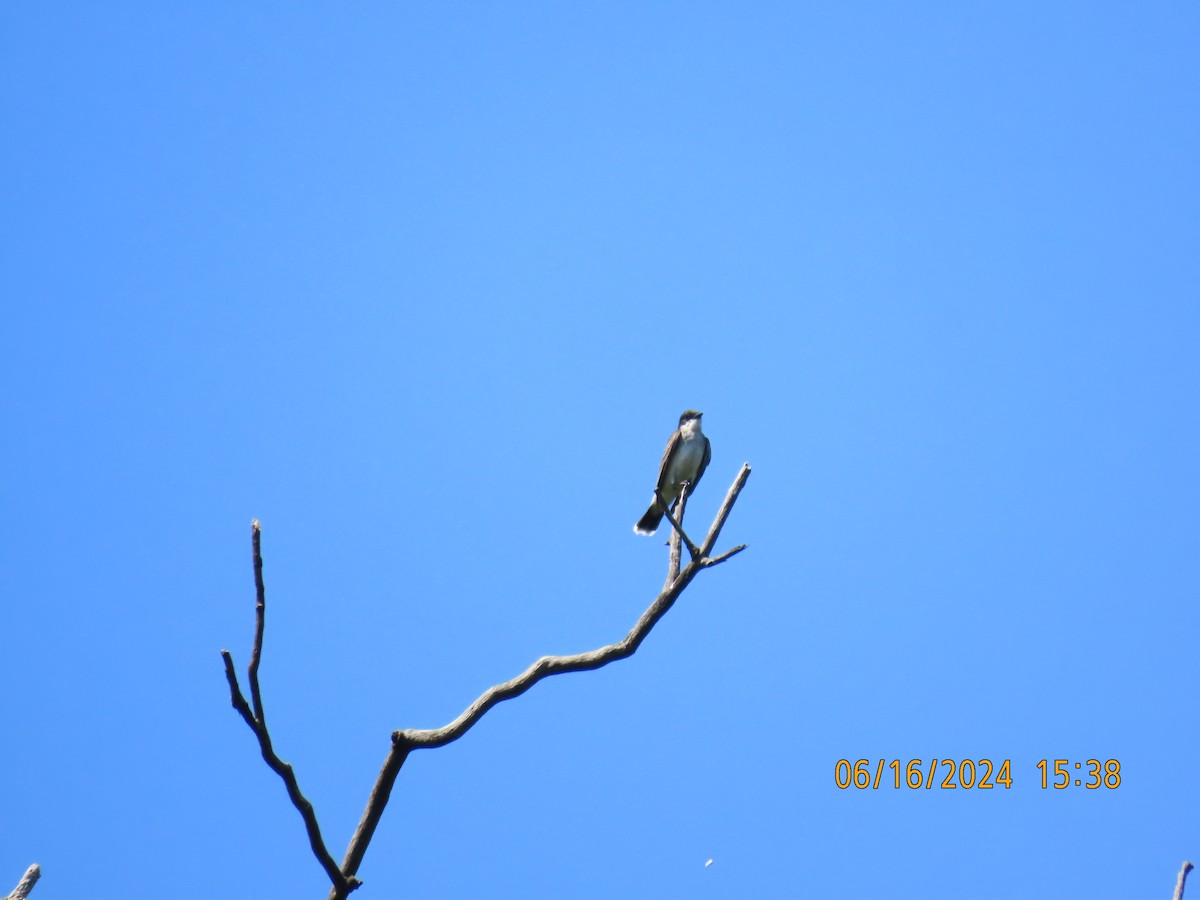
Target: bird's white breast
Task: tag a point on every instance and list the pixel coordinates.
(687, 457)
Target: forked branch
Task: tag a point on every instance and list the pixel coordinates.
(343, 878)
(404, 742)
(677, 523)
(257, 721)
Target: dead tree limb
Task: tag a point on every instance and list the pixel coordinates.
(1181, 881)
(674, 550)
(404, 742)
(344, 878)
(677, 525)
(257, 721)
(25, 885)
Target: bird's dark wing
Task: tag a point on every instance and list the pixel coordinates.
(703, 462)
(662, 466)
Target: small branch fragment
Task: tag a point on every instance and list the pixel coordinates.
(716, 560)
(235, 691)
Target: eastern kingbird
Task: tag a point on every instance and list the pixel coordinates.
(684, 461)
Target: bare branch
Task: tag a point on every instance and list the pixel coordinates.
(1182, 880)
(404, 742)
(419, 739)
(717, 560)
(235, 691)
(25, 885)
(687, 489)
(726, 508)
(378, 800)
(344, 879)
(260, 615)
(256, 720)
(673, 556)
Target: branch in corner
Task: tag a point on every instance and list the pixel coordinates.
(1181, 881)
(25, 885)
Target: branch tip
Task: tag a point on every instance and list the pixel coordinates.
(1181, 881)
(25, 885)
(717, 560)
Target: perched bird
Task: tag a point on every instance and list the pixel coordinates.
(683, 462)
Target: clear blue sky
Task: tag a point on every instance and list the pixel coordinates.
(425, 287)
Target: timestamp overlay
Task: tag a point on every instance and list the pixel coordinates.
(975, 774)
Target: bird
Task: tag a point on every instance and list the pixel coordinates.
(683, 462)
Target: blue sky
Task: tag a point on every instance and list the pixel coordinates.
(425, 287)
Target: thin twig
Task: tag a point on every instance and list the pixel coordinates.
(716, 560)
(1182, 880)
(260, 615)
(25, 885)
(235, 692)
(726, 508)
(256, 720)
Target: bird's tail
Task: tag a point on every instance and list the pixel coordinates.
(648, 524)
